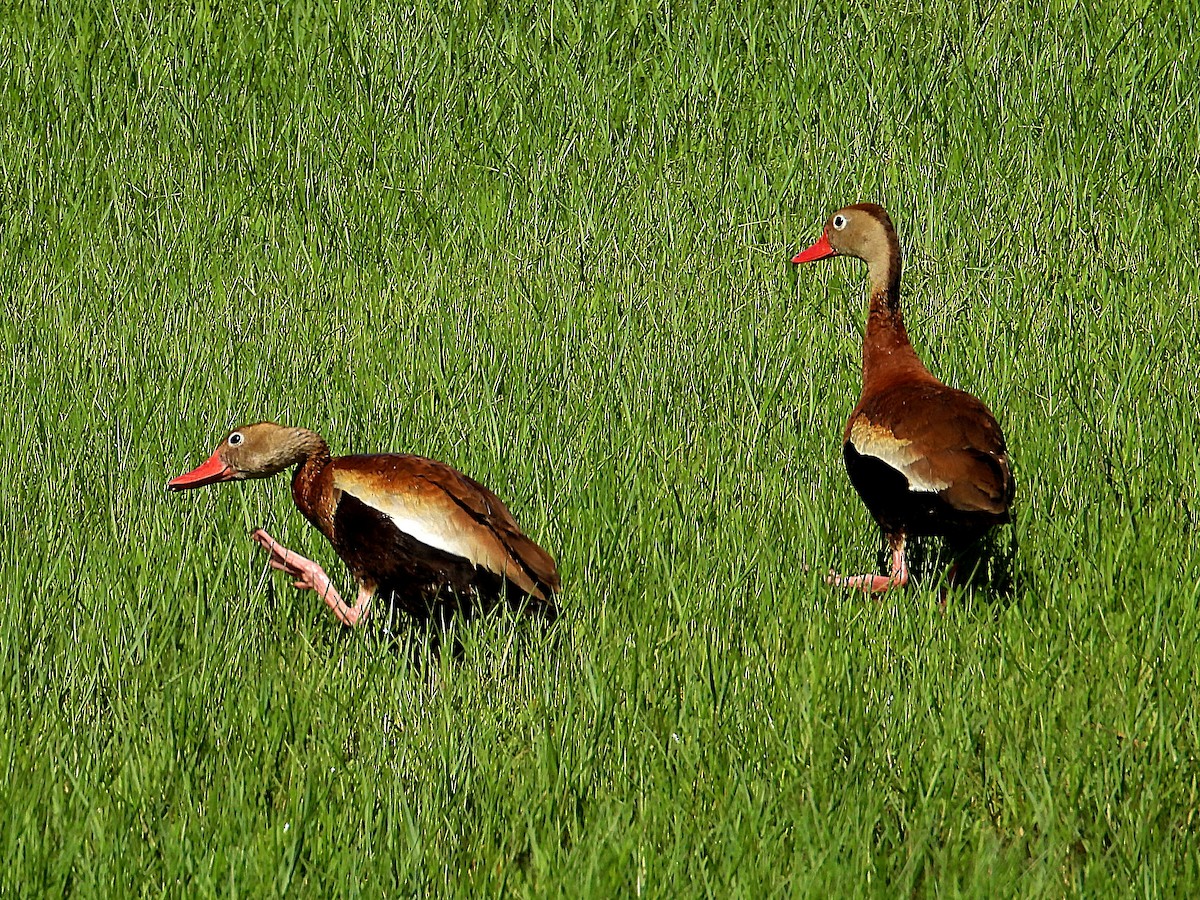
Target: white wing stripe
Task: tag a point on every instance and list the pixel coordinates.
(878, 442)
(428, 533)
(415, 517)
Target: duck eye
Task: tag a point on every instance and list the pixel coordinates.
(839, 222)
(236, 438)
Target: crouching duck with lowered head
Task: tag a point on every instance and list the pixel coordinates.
(416, 531)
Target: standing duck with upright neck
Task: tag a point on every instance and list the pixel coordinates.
(414, 530)
(926, 458)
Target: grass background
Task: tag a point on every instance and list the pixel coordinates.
(548, 244)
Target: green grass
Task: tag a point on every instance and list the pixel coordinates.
(549, 245)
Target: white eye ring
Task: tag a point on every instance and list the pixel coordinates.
(236, 438)
(839, 222)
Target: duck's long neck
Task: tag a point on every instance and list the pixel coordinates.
(887, 352)
(309, 488)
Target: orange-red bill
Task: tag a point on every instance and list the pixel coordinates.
(211, 471)
(820, 250)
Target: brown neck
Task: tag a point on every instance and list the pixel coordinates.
(307, 484)
(888, 354)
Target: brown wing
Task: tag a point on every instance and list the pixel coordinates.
(444, 509)
(942, 440)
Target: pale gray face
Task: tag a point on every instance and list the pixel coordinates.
(259, 450)
(858, 232)
(251, 451)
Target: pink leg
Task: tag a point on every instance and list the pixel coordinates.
(877, 584)
(948, 587)
(950, 575)
(308, 576)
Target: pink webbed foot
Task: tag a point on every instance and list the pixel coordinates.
(306, 574)
(870, 584)
(876, 584)
(309, 576)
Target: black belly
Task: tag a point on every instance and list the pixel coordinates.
(417, 579)
(899, 510)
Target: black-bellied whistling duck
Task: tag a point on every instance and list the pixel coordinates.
(415, 531)
(925, 458)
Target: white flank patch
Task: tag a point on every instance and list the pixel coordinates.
(878, 442)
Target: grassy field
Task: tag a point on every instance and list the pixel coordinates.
(548, 244)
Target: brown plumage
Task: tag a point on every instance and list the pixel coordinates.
(416, 531)
(926, 458)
